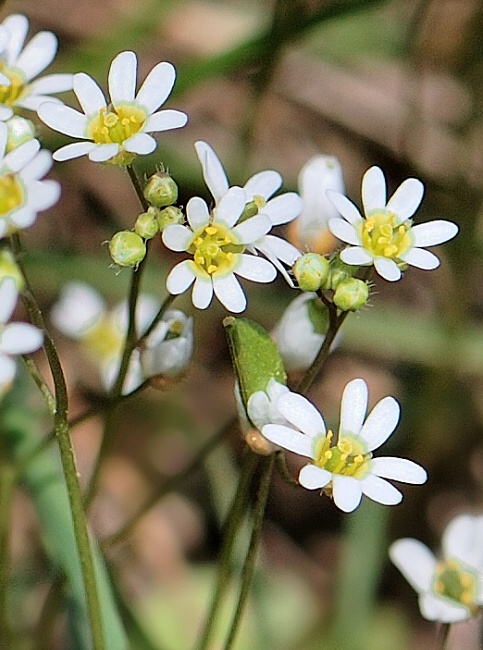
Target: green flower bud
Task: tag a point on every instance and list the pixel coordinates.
(168, 216)
(161, 190)
(127, 248)
(146, 225)
(9, 268)
(340, 271)
(351, 294)
(311, 271)
(20, 130)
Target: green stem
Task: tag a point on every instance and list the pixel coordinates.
(233, 521)
(7, 487)
(67, 457)
(41, 385)
(250, 560)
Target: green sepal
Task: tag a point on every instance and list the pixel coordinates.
(255, 356)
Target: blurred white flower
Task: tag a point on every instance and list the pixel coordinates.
(385, 236)
(15, 338)
(167, 350)
(20, 131)
(450, 589)
(310, 232)
(117, 131)
(22, 192)
(345, 470)
(262, 409)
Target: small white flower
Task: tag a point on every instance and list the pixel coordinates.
(217, 243)
(258, 189)
(385, 236)
(15, 338)
(450, 589)
(301, 331)
(20, 131)
(22, 193)
(311, 231)
(82, 315)
(117, 131)
(345, 470)
(19, 66)
(167, 350)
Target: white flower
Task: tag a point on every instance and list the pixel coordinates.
(310, 231)
(167, 350)
(117, 131)
(450, 589)
(258, 189)
(217, 243)
(18, 67)
(386, 237)
(22, 193)
(301, 330)
(15, 338)
(345, 470)
(82, 315)
(20, 131)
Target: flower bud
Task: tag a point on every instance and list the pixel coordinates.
(340, 271)
(127, 248)
(311, 271)
(20, 130)
(161, 190)
(9, 268)
(169, 216)
(351, 294)
(146, 225)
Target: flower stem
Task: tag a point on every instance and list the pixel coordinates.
(7, 487)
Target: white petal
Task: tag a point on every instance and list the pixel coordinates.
(312, 477)
(437, 609)
(406, 199)
(37, 167)
(73, 150)
(373, 189)
(283, 208)
(122, 78)
(3, 138)
(255, 269)
(52, 83)
(229, 292)
(177, 237)
(347, 492)
(415, 561)
(37, 55)
(353, 407)
(288, 439)
(258, 408)
(399, 469)
(345, 207)
(231, 207)
(433, 233)
(213, 171)
(20, 156)
(33, 102)
(166, 120)
(103, 152)
(462, 540)
(63, 119)
(157, 86)
(20, 338)
(8, 298)
(5, 112)
(378, 489)
(77, 310)
(42, 195)
(297, 410)
(140, 143)
(181, 277)
(202, 292)
(421, 259)
(381, 422)
(90, 96)
(344, 231)
(251, 229)
(387, 269)
(356, 256)
(276, 247)
(263, 184)
(18, 26)
(8, 368)
(197, 213)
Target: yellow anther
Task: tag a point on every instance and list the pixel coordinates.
(211, 230)
(439, 587)
(328, 455)
(198, 241)
(359, 459)
(104, 130)
(212, 268)
(125, 121)
(466, 580)
(230, 256)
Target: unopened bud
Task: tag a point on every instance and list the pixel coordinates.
(161, 190)
(351, 294)
(169, 216)
(127, 248)
(311, 271)
(146, 225)
(339, 271)
(9, 268)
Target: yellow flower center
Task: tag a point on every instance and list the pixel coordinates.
(104, 339)
(348, 457)
(452, 581)
(116, 124)
(252, 208)
(10, 94)
(215, 250)
(11, 194)
(383, 237)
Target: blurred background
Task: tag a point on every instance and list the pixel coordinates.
(395, 83)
